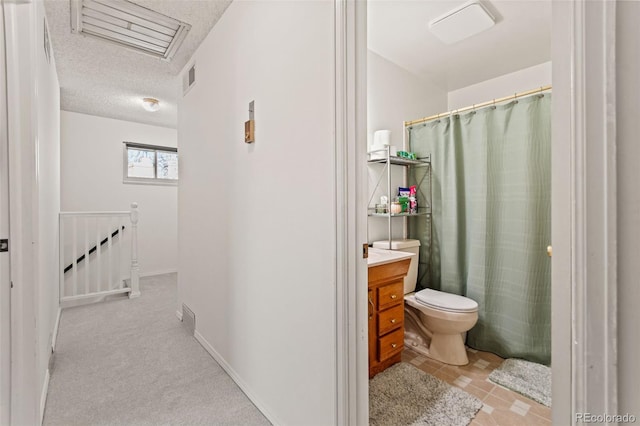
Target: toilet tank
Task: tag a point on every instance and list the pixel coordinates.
(410, 246)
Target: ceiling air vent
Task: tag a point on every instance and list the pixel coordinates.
(462, 22)
(129, 25)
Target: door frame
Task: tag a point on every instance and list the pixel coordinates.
(350, 125)
(5, 267)
(584, 210)
(583, 227)
(22, 124)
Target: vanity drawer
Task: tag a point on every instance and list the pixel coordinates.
(391, 294)
(390, 344)
(390, 319)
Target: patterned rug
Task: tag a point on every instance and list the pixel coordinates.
(403, 395)
(527, 378)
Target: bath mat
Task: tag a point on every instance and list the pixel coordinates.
(403, 395)
(527, 378)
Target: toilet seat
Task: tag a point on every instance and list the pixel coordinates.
(445, 301)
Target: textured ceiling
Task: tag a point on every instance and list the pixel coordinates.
(104, 79)
(398, 30)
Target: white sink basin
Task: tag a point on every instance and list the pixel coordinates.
(381, 256)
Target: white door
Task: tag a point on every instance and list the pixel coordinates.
(5, 278)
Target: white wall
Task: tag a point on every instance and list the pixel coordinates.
(48, 178)
(628, 68)
(92, 164)
(499, 87)
(34, 138)
(394, 95)
(257, 240)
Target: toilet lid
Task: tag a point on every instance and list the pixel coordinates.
(446, 301)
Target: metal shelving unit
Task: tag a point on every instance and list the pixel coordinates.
(424, 204)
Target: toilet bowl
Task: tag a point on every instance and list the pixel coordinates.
(435, 323)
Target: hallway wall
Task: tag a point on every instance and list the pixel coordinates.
(48, 181)
(92, 171)
(257, 236)
(34, 175)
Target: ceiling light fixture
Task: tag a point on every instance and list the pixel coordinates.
(130, 25)
(150, 104)
(462, 22)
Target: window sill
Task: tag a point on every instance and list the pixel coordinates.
(157, 182)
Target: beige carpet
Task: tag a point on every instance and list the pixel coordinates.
(403, 395)
(131, 362)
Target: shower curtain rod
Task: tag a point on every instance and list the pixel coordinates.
(484, 104)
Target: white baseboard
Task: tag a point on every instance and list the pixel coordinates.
(56, 326)
(154, 273)
(236, 378)
(43, 396)
(179, 315)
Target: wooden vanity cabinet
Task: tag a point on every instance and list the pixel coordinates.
(386, 314)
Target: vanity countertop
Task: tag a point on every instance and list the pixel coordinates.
(381, 256)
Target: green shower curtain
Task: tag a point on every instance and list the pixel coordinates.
(491, 222)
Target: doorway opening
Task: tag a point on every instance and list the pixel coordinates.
(477, 112)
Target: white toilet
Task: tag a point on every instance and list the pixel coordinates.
(435, 322)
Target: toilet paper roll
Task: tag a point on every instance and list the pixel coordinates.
(382, 137)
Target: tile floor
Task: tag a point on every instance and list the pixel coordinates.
(502, 407)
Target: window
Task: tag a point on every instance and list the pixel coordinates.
(150, 164)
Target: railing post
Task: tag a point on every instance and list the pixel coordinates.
(135, 279)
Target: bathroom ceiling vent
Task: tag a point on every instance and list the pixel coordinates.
(462, 22)
(127, 24)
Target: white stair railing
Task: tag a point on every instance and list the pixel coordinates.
(98, 253)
